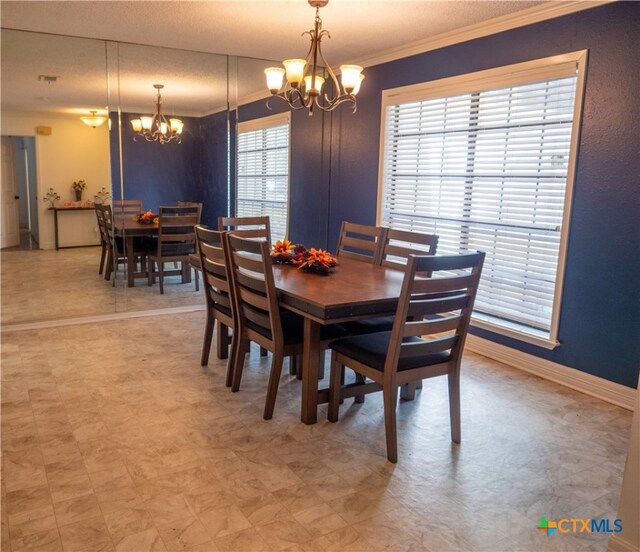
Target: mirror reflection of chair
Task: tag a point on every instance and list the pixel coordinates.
(176, 242)
(252, 227)
(258, 315)
(104, 238)
(216, 290)
(126, 206)
(438, 308)
(360, 242)
(194, 258)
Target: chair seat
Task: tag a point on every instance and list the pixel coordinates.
(293, 329)
(369, 325)
(371, 349)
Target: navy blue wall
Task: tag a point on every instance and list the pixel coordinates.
(600, 319)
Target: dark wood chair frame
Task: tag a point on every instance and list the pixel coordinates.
(251, 227)
(126, 206)
(256, 307)
(104, 238)
(448, 303)
(360, 242)
(176, 242)
(399, 244)
(216, 287)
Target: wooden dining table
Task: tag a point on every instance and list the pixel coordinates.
(354, 290)
(125, 227)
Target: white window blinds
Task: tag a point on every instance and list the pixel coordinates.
(263, 172)
(487, 170)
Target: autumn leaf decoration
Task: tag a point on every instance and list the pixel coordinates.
(316, 260)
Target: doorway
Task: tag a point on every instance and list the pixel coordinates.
(19, 193)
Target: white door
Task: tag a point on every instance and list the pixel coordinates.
(9, 225)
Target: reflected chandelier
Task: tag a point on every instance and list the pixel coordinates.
(94, 120)
(303, 88)
(156, 128)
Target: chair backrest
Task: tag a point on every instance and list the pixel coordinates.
(105, 217)
(252, 227)
(126, 206)
(397, 245)
(191, 204)
(253, 289)
(214, 271)
(101, 223)
(436, 301)
(176, 234)
(360, 242)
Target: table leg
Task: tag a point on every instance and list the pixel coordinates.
(55, 227)
(310, 358)
(131, 268)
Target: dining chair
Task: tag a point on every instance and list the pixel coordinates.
(115, 250)
(360, 242)
(258, 316)
(396, 246)
(126, 206)
(194, 258)
(176, 241)
(216, 289)
(252, 227)
(417, 347)
(104, 239)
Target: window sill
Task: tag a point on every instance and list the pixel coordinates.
(515, 331)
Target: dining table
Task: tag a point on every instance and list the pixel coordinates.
(353, 290)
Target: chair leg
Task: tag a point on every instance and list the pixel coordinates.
(263, 352)
(109, 268)
(454, 405)
(390, 399)
(231, 363)
(362, 380)
(239, 357)
(274, 380)
(206, 343)
(150, 273)
(196, 277)
(103, 255)
(161, 276)
(222, 341)
(293, 360)
(335, 376)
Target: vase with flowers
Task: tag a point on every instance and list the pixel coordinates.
(308, 260)
(78, 187)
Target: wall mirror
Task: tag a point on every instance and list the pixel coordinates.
(148, 174)
(48, 83)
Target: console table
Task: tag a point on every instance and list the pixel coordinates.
(57, 210)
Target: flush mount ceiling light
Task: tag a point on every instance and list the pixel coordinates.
(94, 120)
(156, 128)
(303, 87)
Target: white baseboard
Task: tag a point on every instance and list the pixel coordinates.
(618, 544)
(99, 318)
(600, 388)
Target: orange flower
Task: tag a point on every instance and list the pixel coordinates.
(283, 247)
(317, 259)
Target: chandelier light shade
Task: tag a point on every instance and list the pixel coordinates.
(300, 83)
(93, 120)
(157, 128)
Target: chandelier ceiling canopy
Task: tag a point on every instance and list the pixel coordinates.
(157, 128)
(305, 79)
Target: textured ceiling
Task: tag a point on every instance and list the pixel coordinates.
(196, 82)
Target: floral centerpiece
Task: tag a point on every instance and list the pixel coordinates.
(309, 260)
(78, 188)
(316, 260)
(146, 217)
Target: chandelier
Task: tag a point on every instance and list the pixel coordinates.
(303, 86)
(94, 120)
(156, 128)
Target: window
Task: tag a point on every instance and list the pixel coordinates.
(486, 162)
(263, 171)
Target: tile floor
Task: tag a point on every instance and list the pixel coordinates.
(40, 285)
(115, 438)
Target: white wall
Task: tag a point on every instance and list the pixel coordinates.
(73, 151)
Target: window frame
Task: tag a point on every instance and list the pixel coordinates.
(499, 77)
(263, 123)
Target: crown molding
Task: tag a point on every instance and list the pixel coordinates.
(535, 14)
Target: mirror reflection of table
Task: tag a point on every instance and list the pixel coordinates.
(125, 227)
(353, 291)
(57, 210)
